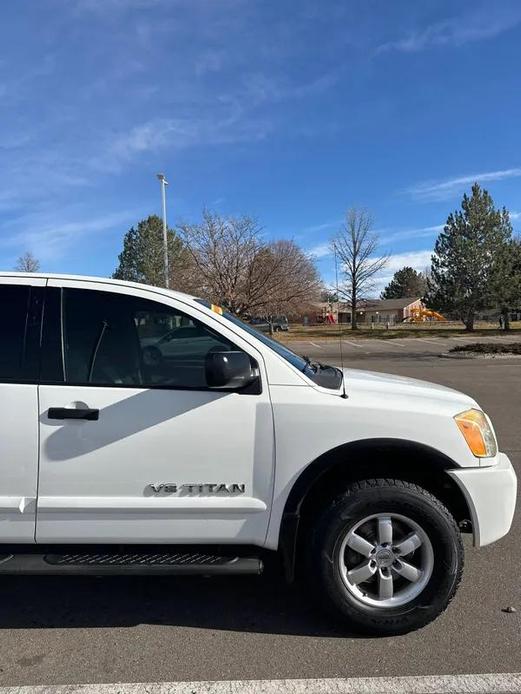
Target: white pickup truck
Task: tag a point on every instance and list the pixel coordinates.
(122, 453)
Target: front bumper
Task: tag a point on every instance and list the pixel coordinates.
(490, 493)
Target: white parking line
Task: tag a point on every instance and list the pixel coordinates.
(434, 341)
(315, 345)
(348, 342)
(500, 683)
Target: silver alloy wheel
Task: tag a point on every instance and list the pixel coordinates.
(386, 560)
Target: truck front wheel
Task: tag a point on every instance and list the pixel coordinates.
(387, 556)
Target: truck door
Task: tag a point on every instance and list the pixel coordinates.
(134, 447)
(20, 324)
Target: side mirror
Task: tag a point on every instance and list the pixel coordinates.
(229, 370)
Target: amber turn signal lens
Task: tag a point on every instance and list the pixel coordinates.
(477, 432)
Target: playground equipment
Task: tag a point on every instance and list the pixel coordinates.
(418, 315)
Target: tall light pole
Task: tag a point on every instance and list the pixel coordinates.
(163, 182)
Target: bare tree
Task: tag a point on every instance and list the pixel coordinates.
(355, 247)
(222, 252)
(27, 263)
(233, 265)
(283, 280)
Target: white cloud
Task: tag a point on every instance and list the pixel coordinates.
(404, 234)
(50, 240)
(322, 250)
(104, 5)
(418, 260)
(486, 23)
(443, 190)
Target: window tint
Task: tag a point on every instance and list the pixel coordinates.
(113, 339)
(14, 306)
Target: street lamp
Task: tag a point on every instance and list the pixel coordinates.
(164, 183)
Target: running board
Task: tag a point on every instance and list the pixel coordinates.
(129, 563)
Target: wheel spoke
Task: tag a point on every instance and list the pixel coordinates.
(385, 584)
(408, 545)
(361, 573)
(360, 545)
(385, 530)
(408, 571)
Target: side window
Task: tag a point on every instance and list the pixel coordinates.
(19, 321)
(174, 346)
(100, 341)
(115, 339)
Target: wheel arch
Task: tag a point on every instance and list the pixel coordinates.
(324, 477)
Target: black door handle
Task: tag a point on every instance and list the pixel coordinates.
(73, 413)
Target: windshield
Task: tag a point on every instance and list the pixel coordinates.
(322, 374)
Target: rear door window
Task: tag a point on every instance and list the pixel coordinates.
(20, 316)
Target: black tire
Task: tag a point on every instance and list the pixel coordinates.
(385, 496)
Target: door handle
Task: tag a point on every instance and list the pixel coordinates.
(73, 413)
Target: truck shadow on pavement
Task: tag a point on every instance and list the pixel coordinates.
(262, 604)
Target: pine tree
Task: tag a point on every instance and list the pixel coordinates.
(142, 257)
(466, 256)
(405, 283)
(506, 282)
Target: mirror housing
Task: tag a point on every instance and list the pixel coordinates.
(231, 370)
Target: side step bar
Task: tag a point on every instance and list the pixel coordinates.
(131, 563)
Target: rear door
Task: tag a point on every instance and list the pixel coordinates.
(155, 455)
(20, 323)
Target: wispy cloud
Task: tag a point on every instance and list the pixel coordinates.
(168, 134)
(104, 5)
(385, 237)
(50, 240)
(322, 227)
(405, 234)
(480, 25)
(418, 260)
(321, 250)
(444, 190)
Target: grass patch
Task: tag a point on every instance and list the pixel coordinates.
(481, 348)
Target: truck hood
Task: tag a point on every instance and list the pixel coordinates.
(372, 382)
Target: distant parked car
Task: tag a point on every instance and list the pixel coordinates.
(180, 343)
(280, 323)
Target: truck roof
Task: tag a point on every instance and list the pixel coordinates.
(98, 279)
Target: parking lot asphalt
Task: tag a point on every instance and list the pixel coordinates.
(73, 630)
(401, 347)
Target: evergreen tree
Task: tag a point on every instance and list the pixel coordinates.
(466, 257)
(405, 283)
(506, 282)
(142, 257)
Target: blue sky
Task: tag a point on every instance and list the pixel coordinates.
(288, 111)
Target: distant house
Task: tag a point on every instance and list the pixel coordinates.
(390, 311)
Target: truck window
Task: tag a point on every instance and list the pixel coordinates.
(121, 340)
(14, 332)
(322, 374)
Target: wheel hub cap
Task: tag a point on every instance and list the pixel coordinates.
(384, 557)
(386, 560)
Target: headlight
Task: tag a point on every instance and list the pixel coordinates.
(478, 433)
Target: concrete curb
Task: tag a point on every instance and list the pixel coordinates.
(477, 355)
(505, 683)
